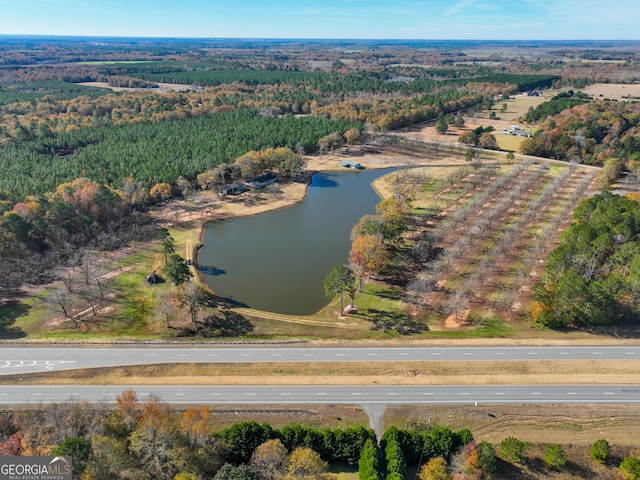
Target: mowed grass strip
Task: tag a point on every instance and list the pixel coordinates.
(357, 373)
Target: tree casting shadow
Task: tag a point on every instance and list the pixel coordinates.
(9, 312)
(392, 322)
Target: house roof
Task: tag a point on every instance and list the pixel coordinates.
(263, 178)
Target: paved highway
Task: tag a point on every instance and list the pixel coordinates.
(16, 360)
(351, 395)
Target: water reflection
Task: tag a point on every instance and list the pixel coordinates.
(277, 261)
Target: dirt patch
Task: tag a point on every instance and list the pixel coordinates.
(613, 91)
(161, 88)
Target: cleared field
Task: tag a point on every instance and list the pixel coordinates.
(613, 91)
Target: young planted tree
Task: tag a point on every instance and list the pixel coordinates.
(369, 463)
(340, 280)
(554, 456)
(600, 451)
(512, 450)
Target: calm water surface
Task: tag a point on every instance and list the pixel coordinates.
(277, 261)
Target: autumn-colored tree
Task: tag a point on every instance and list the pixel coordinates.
(488, 141)
(161, 191)
(195, 424)
(635, 196)
(155, 441)
(128, 407)
(12, 446)
(251, 164)
(435, 469)
(270, 460)
(394, 215)
(352, 136)
(469, 138)
(330, 142)
(305, 464)
(368, 256)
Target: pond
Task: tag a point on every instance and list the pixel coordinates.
(277, 261)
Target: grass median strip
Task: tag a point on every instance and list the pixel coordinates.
(356, 373)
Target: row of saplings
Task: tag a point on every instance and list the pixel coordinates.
(259, 453)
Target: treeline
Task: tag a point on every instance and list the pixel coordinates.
(557, 104)
(524, 82)
(32, 91)
(155, 152)
(590, 133)
(209, 78)
(593, 278)
(42, 233)
(129, 82)
(151, 441)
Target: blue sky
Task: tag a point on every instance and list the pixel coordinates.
(383, 19)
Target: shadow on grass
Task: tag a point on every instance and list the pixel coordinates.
(9, 312)
(224, 323)
(392, 322)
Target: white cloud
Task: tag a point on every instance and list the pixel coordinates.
(461, 5)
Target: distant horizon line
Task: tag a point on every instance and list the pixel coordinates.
(317, 39)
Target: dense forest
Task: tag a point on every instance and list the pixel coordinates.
(593, 278)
